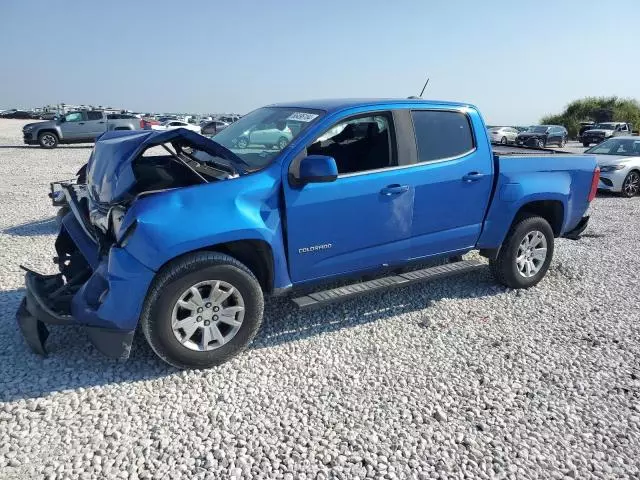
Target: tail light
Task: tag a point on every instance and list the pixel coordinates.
(594, 184)
(142, 124)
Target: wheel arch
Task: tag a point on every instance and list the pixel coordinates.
(255, 254)
(48, 130)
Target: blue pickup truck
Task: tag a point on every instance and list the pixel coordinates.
(185, 235)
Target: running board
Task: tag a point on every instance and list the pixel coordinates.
(386, 283)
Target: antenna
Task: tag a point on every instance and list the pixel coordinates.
(421, 92)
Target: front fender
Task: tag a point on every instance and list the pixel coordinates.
(175, 222)
(515, 192)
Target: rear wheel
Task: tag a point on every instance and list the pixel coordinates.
(631, 184)
(282, 143)
(48, 140)
(243, 142)
(202, 310)
(525, 255)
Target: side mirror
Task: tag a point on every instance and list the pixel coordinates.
(316, 169)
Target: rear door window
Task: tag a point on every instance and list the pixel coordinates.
(94, 115)
(441, 134)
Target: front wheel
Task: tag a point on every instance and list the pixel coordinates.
(48, 140)
(503, 140)
(541, 143)
(563, 142)
(202, 310)
(585, 144)
(282, 143)
(525, 255)
(631, 184)
(243, 142)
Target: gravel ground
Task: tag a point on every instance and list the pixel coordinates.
(457, 379)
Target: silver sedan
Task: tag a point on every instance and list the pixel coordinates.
(503, 135)
(619, 162)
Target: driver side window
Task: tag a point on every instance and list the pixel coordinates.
(358, 144)
(73, 117)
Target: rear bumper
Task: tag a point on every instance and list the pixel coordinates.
(102, 293)
(575, 233)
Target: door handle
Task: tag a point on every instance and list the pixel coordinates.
(394, 189)
(80, 123)
(473, 177)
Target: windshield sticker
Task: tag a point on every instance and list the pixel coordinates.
(302, 116)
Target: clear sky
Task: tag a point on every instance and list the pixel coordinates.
(516, 60)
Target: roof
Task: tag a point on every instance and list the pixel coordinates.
(337, 104)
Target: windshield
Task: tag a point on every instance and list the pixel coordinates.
(537, 129)
(258, 137)
(606, 126)
(628, 147)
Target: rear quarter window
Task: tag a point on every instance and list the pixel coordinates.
(441, 134)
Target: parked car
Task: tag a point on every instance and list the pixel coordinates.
(542, 136)
(17, 114)
(189, 243)
(173, 124)
(213, 127)
(619, 162)
(601, 131)
(269, 134)
(584, 126)
(503, 135)
(48, 116)
(75, 127)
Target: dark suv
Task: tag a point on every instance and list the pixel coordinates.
(542, 136)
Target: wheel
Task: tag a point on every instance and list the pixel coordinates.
(282, 143)
(202, 310)
(243, 142)
(563, 142)
(540, 143)
(503, 141)
(525, 255)
(631, 184)
(585, 144)
(48, 140)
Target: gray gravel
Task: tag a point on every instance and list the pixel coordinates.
(460, 378)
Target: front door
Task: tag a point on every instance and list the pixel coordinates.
(453, 182)
(73, 126)
(360, 221)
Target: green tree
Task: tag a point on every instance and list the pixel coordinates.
(597, 109)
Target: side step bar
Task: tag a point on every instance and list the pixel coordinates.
(386, 283)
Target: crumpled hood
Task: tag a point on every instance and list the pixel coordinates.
(109, 169)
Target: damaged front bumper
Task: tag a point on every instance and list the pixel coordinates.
(101, 292)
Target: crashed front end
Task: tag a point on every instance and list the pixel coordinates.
(101, 286)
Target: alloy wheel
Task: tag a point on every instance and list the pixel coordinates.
(532, 252)
(207, 315)
(631, 185)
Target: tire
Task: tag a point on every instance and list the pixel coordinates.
(631, 184)
(505, 267)
(540, 143)
(282, 143)
(177, 279)
(563, 142)
(503, 141)
(243, 142)
(48, 140)
(585, 144)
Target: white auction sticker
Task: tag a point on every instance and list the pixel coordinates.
(302, 116)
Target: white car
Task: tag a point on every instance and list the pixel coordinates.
(619, 162)
(503, 135)
(173, 124)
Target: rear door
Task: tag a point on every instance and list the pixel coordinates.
(453, 181)
(95, 124)
(360, 221)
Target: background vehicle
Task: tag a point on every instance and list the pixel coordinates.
(542, 136)
(619, 162)
(503, 135)
(601, 131)
(173, 124)
(395, 184)
(17, 114)
(267, 134)
(75, 127)
(213, 127)
(584, 126)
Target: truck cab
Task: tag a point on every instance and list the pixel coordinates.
(187, 245)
